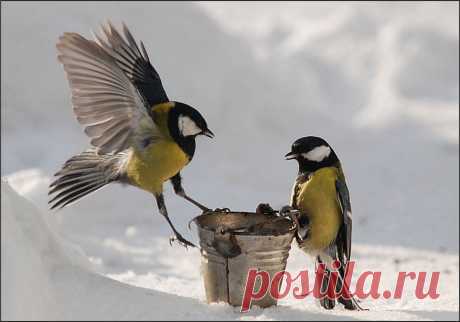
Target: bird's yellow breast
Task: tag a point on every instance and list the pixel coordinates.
(318, 199)
(148, 169)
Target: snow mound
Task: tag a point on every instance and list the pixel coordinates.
(63, 286)
(58, 286)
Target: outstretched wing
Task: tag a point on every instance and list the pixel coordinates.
(134, 63)
(104, 100)
(344, 237)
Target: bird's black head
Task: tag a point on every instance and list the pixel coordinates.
(185, 123)
(312, 153)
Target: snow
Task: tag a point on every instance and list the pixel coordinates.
(378, 81)
(64, 285)
(57, 287)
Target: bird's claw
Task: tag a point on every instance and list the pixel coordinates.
(205, 210)
(286, 210)
(265, 209)
(222, 210)
(181, 240)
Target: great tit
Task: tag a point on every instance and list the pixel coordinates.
(321, 194)
(138, 136)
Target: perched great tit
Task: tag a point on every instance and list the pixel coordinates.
(138, 136)
(321, 194)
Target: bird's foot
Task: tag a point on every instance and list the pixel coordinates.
(352, 304)
(327, 303)
(181, 240)
(205, 210)
(286, 210)
(265, 209)
(222, 210)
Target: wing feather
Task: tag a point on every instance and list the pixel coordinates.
(104, 99)
(134, 62)
(344, 238)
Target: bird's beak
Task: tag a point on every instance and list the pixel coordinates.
(291, 155)
(208, 133)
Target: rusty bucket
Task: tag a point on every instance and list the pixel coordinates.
(234, 242)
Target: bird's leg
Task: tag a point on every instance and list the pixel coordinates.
(179, 190)
(349, 301)
(325, 301)
(162, 207)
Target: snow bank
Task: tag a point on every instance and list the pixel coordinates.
(46, 278)
(42, 280)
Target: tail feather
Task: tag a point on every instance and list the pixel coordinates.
(73, 190)
(83, 174)
(75, 196)
(68, 180)
(343, 287)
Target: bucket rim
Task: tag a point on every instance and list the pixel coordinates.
(292, 226)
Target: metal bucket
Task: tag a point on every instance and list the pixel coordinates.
(234, 242)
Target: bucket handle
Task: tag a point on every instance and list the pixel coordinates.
(224, 242)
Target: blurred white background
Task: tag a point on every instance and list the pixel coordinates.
(380, 82)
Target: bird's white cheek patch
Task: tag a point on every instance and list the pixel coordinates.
(318, 154)
(187, 126)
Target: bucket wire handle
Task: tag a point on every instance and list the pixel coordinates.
(225, 243)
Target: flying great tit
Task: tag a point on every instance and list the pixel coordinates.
(321, 194)
(138, 136)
